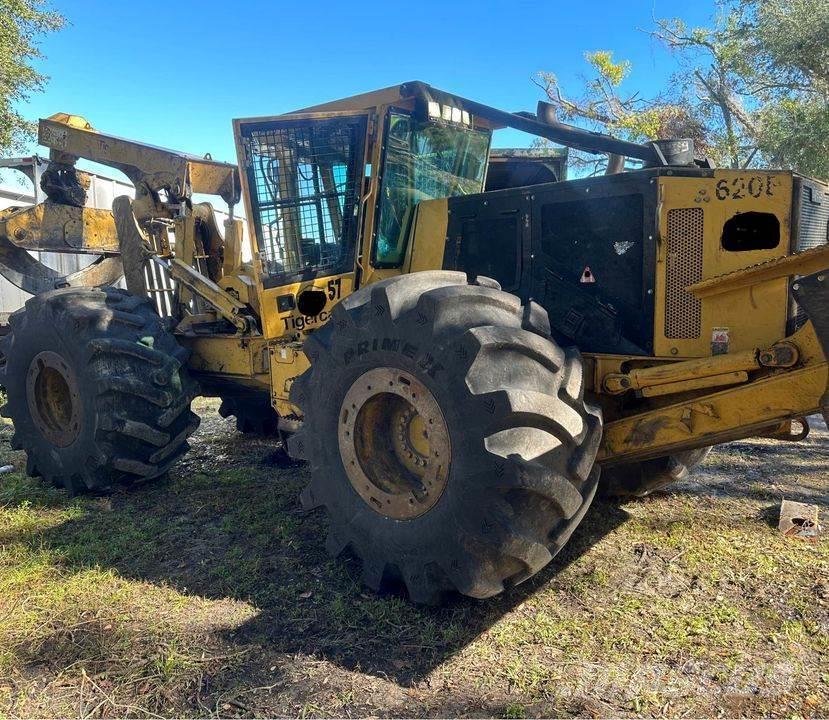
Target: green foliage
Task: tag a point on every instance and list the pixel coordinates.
(789, 59)
(751, 90)
(712, 84)
(609, 71)
(607, 107)
(795, 133)
(790, 43)
(22, 25)
(515, 710)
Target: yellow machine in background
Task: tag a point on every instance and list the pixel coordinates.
(454, 364)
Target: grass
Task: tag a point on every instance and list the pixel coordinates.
(210, 594)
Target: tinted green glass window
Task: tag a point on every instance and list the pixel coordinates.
(423, 161)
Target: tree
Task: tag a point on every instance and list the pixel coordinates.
(605, 106)
(788, 55)
(752, 89)
(764, 67)
(713, 82)
(22, 25)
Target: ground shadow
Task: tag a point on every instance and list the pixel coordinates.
(760, 470)
(227, 524)
(237, 531)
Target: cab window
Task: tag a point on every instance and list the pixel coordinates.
(423, 160)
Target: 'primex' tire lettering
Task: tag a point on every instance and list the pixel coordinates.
(425, 361)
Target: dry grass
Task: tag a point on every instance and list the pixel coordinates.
(210, 594)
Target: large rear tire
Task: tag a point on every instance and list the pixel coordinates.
(640, 479)
(97, 388)
(448, 436)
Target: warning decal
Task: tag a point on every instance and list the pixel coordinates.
(719, 340)
(587, 276)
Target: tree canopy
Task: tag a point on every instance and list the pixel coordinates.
(22, 25)
(752, 89)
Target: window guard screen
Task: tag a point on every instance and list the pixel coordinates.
(304, 178)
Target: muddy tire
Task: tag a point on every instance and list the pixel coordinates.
(97, 388)
(447, 436)
(254, 414)
(643, 478)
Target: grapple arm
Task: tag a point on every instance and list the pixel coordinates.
(150, 168)
(164, 180)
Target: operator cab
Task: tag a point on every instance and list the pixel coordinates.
(357, 190)
(311, 179)
(425, 159)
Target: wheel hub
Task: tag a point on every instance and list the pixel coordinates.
(394, 443)
(53, 398)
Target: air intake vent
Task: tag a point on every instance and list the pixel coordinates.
(811, 209)
(812, 219)
(683, 312)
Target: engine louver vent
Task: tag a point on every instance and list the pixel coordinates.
(683, 312)
(812, 216)
(811, 224)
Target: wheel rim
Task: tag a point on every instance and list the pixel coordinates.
(394, 443)
(53, 398)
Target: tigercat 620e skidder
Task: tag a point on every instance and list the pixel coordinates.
(455, 365)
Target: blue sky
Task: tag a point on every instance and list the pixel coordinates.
(175, 74)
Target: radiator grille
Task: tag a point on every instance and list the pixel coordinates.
(683, 312)
(812, 217)
(812, 223)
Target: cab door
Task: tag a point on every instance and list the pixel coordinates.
(303, 179)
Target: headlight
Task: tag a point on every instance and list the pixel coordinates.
(448, 113)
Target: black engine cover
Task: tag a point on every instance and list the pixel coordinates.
(584, 249)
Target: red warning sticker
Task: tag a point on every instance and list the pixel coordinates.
(587, 276)
(719, 341)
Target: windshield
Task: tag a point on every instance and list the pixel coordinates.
(423, 161)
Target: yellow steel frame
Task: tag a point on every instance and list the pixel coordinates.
(686, 397)
(756, 313)
(725, 415)
(60, 228)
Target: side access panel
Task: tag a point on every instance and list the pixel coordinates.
(593, 268)
(582, 249)
(490, 235)
(710, 226)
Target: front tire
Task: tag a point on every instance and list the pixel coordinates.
(449, 441)
(97, 388)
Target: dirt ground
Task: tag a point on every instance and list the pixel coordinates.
(209, 593)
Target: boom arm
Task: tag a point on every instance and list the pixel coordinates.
(136, 229)
(180, 174)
